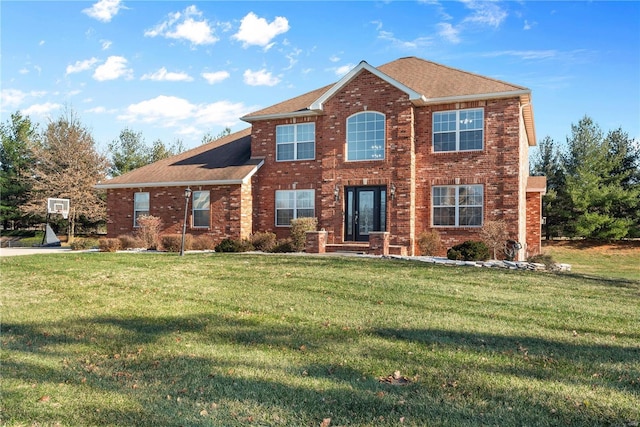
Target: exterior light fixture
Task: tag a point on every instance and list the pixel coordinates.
(187, 195)
(393, 191)
(336, 193)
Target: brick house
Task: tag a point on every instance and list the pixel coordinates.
(407, 147)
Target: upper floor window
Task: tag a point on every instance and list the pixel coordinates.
(460, 130)
(296, 142)
(201, 209)
(292, 204)
(365, 136)
(458, 206)
(140, 206)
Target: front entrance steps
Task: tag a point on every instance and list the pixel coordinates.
(316, 243)
(362, 248)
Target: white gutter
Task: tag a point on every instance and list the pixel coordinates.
(477, 97)
(107, 186)
(275, 116)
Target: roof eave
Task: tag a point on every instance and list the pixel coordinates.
(276, 116)
(244, 180)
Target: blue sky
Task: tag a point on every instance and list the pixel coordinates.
(177, 70)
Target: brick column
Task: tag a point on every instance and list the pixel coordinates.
(316, 242)
(379, 242)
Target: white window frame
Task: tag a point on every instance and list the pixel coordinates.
(285, 195)
(139, 212)
(296, 141)
(457, 206)
(356, 128)
(195, 208)
(459, 128)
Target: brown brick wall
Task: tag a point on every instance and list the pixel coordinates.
(230, 210)
(410, 164)
(496, 167)
(534, 220)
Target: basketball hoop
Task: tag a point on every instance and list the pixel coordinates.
(58, 206)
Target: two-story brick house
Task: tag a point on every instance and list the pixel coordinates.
(406, 147)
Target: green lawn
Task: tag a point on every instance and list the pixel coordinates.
(269, 340)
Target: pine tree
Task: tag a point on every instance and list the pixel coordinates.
(16, 162)
(599, 200)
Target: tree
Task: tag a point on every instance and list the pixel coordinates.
(556, 204)
(159, 151)
(16, 161)
(68, 166)
(599, 199)
(209, 137)
(128, 152)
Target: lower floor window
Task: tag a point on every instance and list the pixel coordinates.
(201, 209)
(458, 205)
(140, 206)
(292, 204)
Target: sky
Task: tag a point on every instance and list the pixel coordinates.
(177, 70)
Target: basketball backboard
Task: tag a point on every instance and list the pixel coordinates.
(58, 206)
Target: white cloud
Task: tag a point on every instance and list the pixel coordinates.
(416, 43)
(10, 98)
(23, 71)
(186, 25)
(485, 13)
(171, 111)
(163, 75)
(257, 31)
(114, 68)
(104, 10)
(334, 58)
(79, 66)
(449, 32)
(41, 109)
(341, 71)
(221, 113)
(529, 25)
(106, 44)
(215, 77)
(41, 43)
(96, 110)
(165, 109)
(260, 78)
(525, 54)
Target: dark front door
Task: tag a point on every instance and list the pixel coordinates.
(365, 211)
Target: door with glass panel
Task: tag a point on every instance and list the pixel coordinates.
(365, 211)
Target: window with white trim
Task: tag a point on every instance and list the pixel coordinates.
(292, 204)
(296, 142)
(461, 130)
(201, 208)
(458, 206)
(365, 136)
(140, 206)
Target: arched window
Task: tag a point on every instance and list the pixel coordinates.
(365, 136)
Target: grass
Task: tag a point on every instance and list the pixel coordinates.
(619, 259)
(241, 340)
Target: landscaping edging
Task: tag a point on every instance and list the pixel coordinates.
(511, 265)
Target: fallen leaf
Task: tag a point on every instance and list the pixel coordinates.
(326, 422)
(44, 398)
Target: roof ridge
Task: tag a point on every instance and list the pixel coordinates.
(456, 69)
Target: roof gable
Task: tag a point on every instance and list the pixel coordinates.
(413, 95)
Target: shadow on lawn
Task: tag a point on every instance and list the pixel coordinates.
(169, 385)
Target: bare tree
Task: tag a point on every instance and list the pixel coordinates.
(68, 166)
(495, 235)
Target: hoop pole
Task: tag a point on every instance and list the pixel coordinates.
(44, 236)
